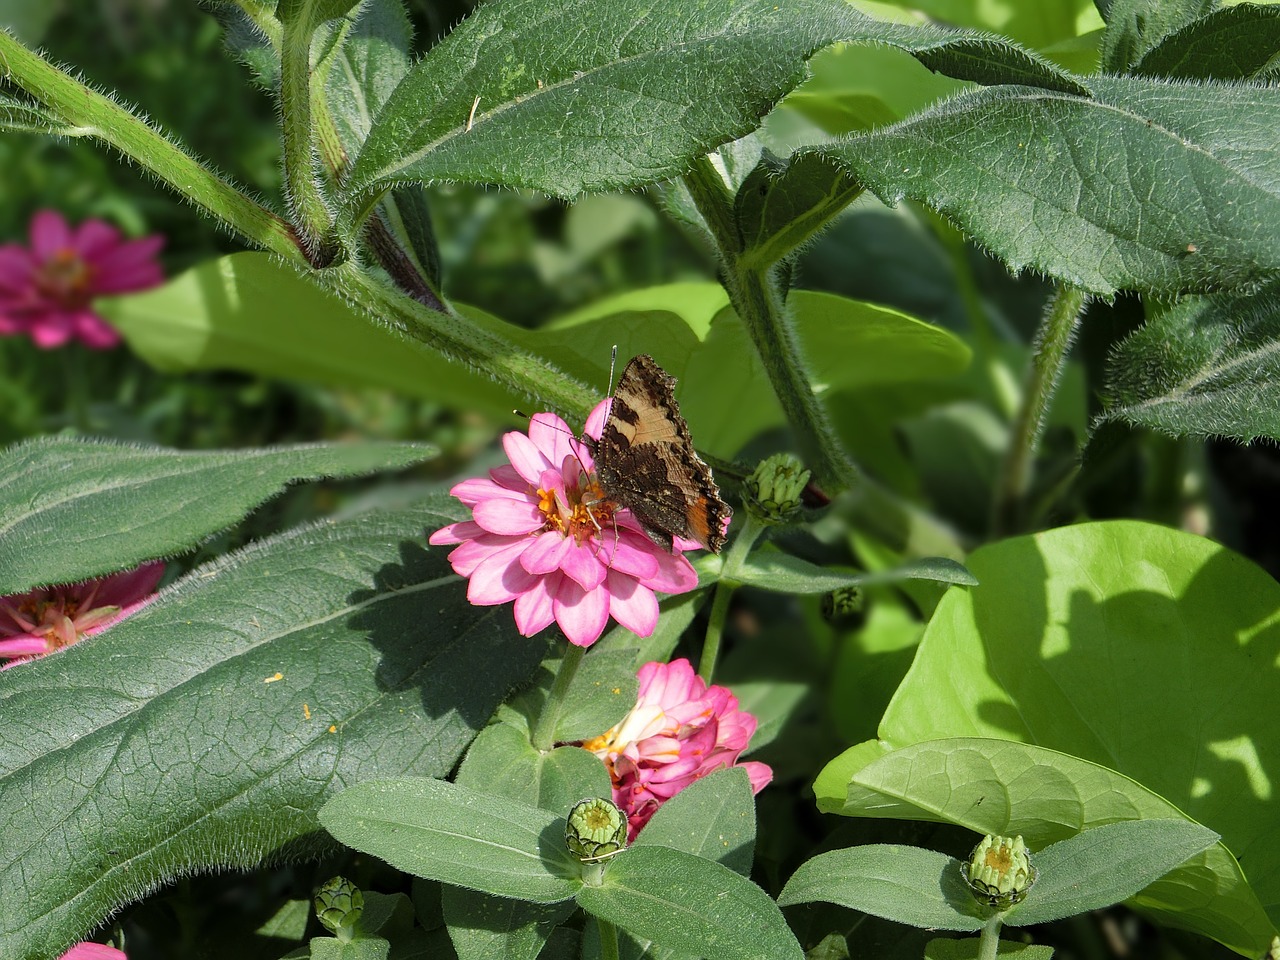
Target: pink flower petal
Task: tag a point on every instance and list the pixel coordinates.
(551, 435)
(499, 578)
(759, 773)
(508, 517)
(509, 477)
(582, 614)
(93, 331)
(545, 553)
(524, 456)
(23, 646)
(581, 565)
(631, 554)
(49, 234)
(534, 609)
(471, 554)
(93, 951)
(458, 532)
(675, 574)
(94, 238)
(632, 605)
(475, 489)
(596, 419)
(51, 329)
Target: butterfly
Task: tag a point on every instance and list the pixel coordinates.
(645, 461)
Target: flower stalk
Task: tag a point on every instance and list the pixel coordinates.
(989, 939)
(728, 581)
(544, 731)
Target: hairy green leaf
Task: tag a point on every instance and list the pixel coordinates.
(780, 205)
(372, 60)
(967, 949)
(906, 884)
(446, 832)
(784, 573)
(27, 116)
(1105, 865)
(73, 509)
(691, 905)
(660, 85)
(1166, 188)
(714, 817)
(1205, 367)
(206, 731)
(1234, 43)
(1135, 26)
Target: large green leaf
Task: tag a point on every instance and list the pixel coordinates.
(1118, 643)
(1205, 367)
(1234, 43)
(506, 99)
(1135, 26)
(692, 905)
(73, 509)
(780, 205)
(714, 817)
(1158, 187)
(206, 731)
(372, 60)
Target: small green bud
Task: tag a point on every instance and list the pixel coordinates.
(339, 904)
(772, 492)
(842, 607)
(999, 871)
(596, 830)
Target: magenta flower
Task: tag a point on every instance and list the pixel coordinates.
(41, 621)
(543, 535)
(679, 731)
(47, 290)
(93, 951)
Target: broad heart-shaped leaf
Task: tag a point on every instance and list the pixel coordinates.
(1165, 188)
(782, 204)
(509, 98)
(783, 573)
(1208, 366)
(714, 817)
(692, 905)
(1135, 26)
(442, 831)
(907, 884)
(1105, 865)
(73, 509)
(1234, 43)
(998, 786)
(206, 731)
(1117, 642)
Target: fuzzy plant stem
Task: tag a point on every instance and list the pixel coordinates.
(1057, 330)
(310, 210)
(608, 939)
(93, 114)
(989, 939)
(728, 582)
(544, 730)
(758, 302)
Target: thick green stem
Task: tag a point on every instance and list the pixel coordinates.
(301, 168)
(989, 939)
(758, 303)
(730, 580)
(544, 731)
(96, 115)
(608, 939)
(1057, 330)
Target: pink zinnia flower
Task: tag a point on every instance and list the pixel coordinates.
(47, 290)
(679, 731)
(543, 534)
(41, 621)
(93, 951)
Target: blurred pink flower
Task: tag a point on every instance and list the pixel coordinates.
(543, 534)
(93, 951)
(47, 290)
(41, 621)
(679, 731)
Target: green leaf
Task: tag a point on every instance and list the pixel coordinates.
(905, 884)
(73, 509)
(1234, 43)
(784, 573)
(1135, 26)
(967, 949)
(602, 691)
(1205, 367)
(536, 119)
(313, 11)
(1019, 171)
(27, 116)
(372, 60)
(483, 927)
(442, 831)
(1116, 642)
(713, 818)
(1105, 865)
(208, 729)
(782, 204)
(502, 763)
(331, 948)
(690, 905)
(997, 786)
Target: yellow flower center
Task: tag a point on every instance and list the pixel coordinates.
(65, 277)
(587, 512)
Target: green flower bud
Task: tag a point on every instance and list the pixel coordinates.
(843, 607)
(772, 493)
(596, 830)
(999, 871)
(339, 904)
